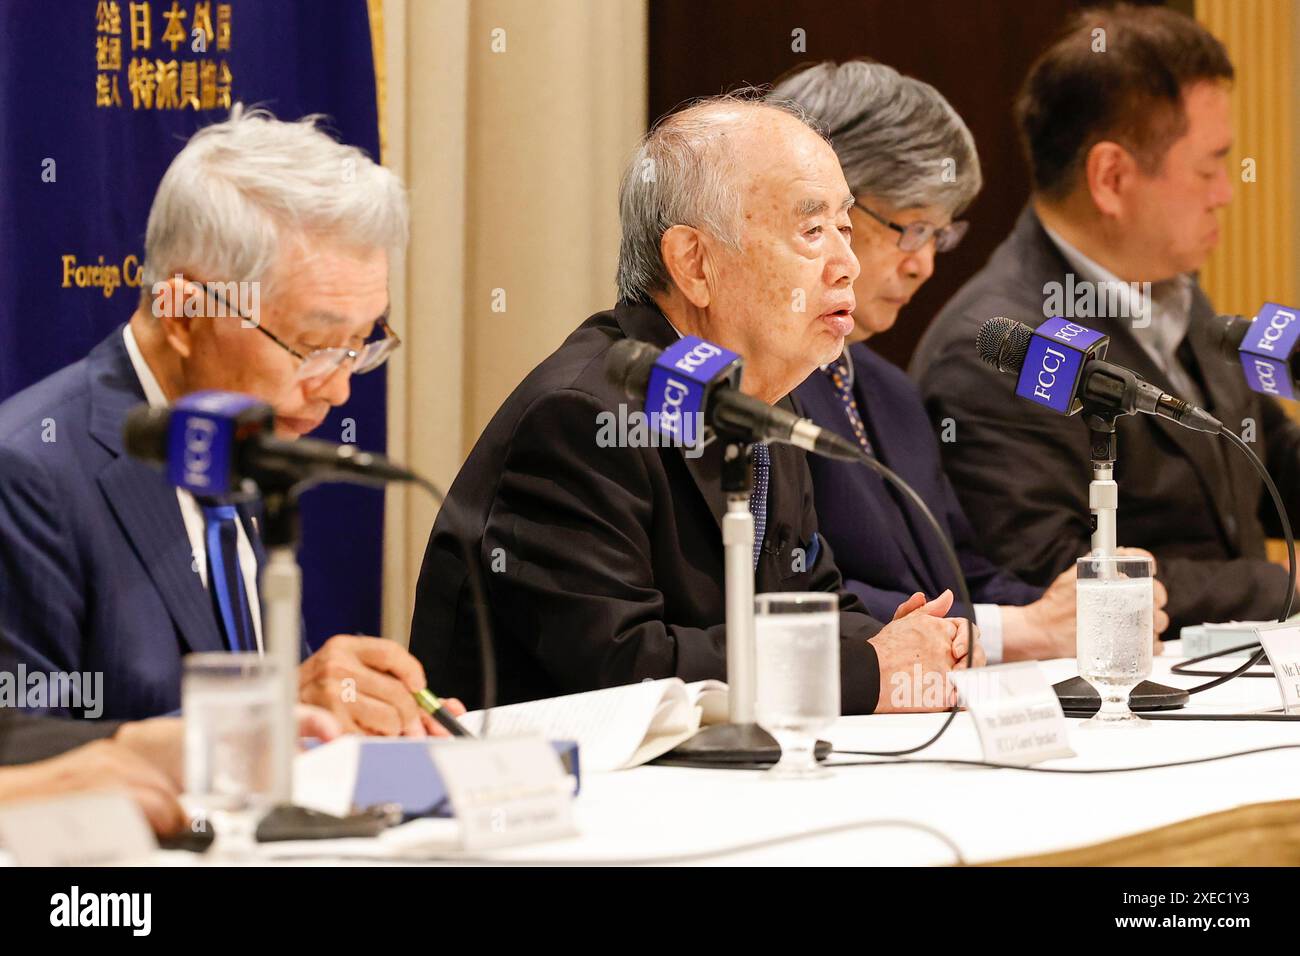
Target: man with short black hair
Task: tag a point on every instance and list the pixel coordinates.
(1125, 120)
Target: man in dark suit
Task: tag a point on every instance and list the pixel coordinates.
(109, 571)
(604, 564)
(1127, 151)
(889, 131)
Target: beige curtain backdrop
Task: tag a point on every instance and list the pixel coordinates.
(510, 121)
(1258, 259)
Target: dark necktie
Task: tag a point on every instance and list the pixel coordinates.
(758, 497)
(225, 580)
(838, 373)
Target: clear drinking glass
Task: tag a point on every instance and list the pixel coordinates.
(1115, 633)
(797, 672)
(229, 708)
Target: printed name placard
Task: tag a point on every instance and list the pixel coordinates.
(505, 792)
(1016, 712)
(1282, 642)
(86, 830)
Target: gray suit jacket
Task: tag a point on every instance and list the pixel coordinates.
(1022, 472)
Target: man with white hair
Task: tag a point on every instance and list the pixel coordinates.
(266, 272)
(607, 561)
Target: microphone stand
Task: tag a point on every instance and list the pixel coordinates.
(1076, 694)
(281, 599)
(740, 742)
(1103, 493)
(738, 579)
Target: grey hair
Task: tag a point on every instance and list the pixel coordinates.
(896, 137)
(683, 174)
(241, 189)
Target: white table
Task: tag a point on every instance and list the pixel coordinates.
(662, 813)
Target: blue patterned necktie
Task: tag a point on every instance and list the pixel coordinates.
(758, 497)
(225, 580)
(838, 373)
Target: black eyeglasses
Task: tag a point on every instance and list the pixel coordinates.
(322, 363)
(915, 235)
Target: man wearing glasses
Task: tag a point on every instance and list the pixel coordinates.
(106, 567)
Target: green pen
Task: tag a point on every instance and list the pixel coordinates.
(433, 706)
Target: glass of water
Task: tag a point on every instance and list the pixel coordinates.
(797, 672)
(1115, 632)
(229, 703)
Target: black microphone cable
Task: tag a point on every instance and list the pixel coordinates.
(954, 565)
(993, 765)
(1186, 667)
(473, 572)
(1003, 343)
(478, 594)
(1287, 605)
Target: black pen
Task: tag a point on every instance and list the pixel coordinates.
(431, 703)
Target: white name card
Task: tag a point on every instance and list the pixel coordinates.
(1016, 712)
(505, 792)
(1282, 642)
(91, 829)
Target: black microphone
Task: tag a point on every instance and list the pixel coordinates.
(1266, 348)
(1004, 344)
(209, 442)
(703, 381)
(1230, 332)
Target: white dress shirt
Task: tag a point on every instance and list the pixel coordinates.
(1169, 319)
(191, 512)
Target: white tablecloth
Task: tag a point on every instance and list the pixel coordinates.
(926, 813)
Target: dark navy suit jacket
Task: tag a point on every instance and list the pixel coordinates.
(883, 546)
(96, 572)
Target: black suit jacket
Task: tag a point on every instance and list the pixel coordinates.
(883, 546)
(604, 564)
(27, 738)
(1022, 472)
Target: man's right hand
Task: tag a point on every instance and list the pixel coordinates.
(920, 635)
(368, 684)
(102, 765)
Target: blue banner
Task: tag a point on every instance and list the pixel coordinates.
(96, 98)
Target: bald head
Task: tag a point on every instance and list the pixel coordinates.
(699, 167)
(735, 224)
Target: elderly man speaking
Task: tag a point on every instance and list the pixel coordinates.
(108, 569)
(606, 563)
